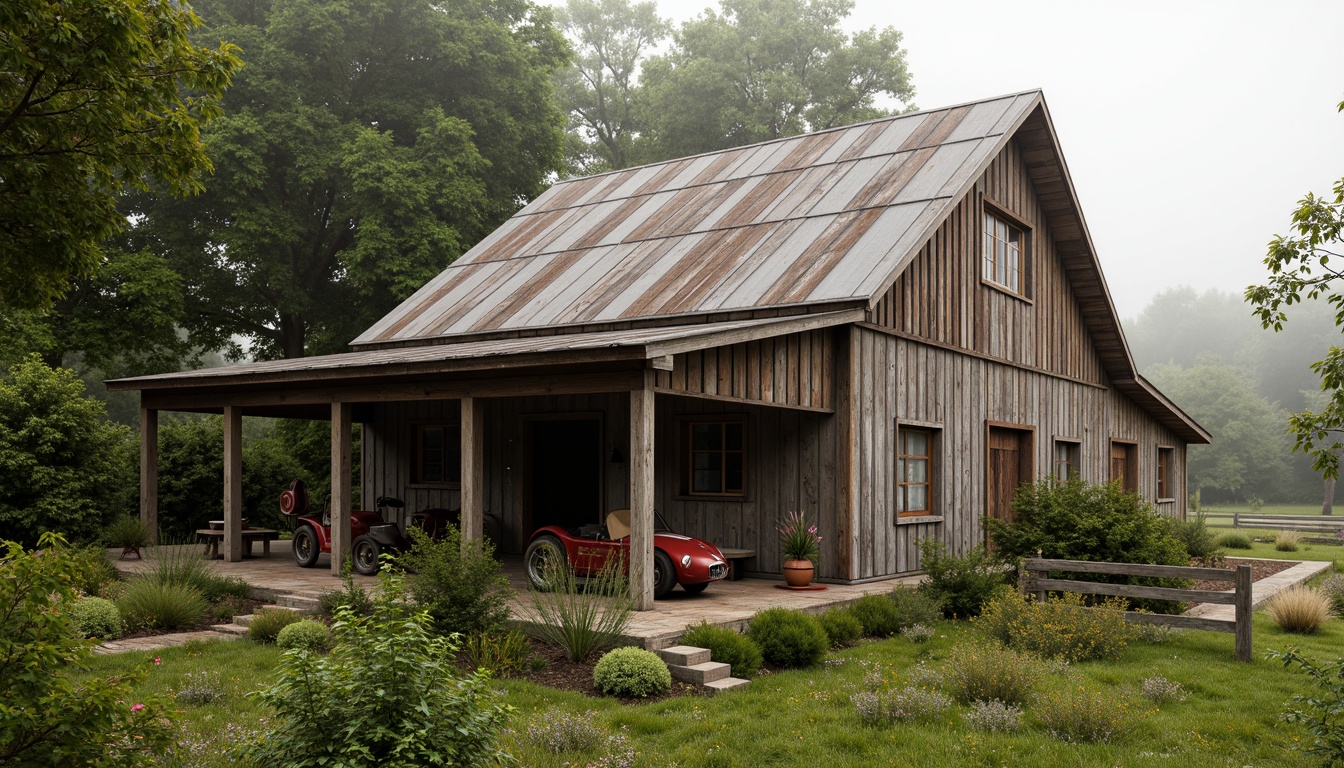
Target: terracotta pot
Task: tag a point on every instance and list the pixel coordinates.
(798, 573)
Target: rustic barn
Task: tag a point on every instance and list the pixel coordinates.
(886, 326)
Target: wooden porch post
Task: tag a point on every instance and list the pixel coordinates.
(340, 485)
(233, 483)
(473, 470)
(149, 472)
(641, 494)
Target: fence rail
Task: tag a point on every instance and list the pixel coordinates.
(1036, 580)
(1306, 523)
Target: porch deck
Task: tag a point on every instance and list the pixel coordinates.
(724, 603)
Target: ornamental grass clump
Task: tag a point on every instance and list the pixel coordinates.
(150, 604)
(499, 653)
(581, 617)
(1234, 540)
(726, 647)
(1333, 589)
(631, 673)
(797, 539)
(1299, 609)
(988, 672)
(1078, 715)
(1287, 541)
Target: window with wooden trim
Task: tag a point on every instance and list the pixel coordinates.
(1067, 460)
(438, 455)
(1005, 247)
(914, 471)
(1125, 466)
(713, 462)
(1165, 460)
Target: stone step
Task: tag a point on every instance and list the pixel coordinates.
(230, 629)
(246, 619)
(726, 684)
(298, 603)
(684, 655)
(701, 674)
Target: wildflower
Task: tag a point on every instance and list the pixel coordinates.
(157, 661)
(137, 707)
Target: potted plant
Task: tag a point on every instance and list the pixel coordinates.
(129, 534)
(800, 546)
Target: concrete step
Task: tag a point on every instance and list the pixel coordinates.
(684, 655)
(298, 603)
(726, 684)
(701, 674)
(230, 629)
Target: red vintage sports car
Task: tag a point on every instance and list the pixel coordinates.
(677, 559)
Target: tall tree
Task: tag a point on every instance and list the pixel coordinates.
(365, 146)
(1300, 267)
(601, 89)
(94, 97)
(763, 69)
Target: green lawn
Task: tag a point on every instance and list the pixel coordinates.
(1271, 509)
(806, 718)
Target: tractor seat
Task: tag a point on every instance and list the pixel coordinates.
(618, 524)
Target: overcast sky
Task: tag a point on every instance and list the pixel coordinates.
(1190, 128)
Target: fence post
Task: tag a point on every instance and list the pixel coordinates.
(1236, 519)
(1243, 612)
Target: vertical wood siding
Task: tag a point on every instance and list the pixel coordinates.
(792, 370)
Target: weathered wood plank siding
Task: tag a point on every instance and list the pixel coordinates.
(792, 370)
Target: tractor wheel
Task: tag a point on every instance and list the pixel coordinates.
(305, 546)
(664, 577)
(365, 551)
(695, 589)
(544, 554)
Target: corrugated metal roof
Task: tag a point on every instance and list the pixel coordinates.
(817, 219)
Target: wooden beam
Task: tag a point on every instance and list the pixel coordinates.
(473, 470)
(340, 485)
(149, 472)
(641, 494)
(847, 415)
(233, 484)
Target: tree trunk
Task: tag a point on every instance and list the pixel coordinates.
(1328, 506)
(292, 330)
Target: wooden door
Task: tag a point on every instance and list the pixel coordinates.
(1124, 469)
(1009, 465)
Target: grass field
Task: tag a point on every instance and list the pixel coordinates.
(1271, 509)
(1230, 717)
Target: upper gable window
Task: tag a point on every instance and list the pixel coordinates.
(1004, 253)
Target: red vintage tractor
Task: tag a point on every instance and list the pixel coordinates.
(370, 533)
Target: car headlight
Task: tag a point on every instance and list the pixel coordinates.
(685, 561)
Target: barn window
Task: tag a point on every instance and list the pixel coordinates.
(438, 455)
(713, 458)
(914, 472)
(1004, 253)
(1125, 466)
(1067, 459)
(1164, 464)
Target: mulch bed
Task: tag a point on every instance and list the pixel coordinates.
(1259, 569)
(559, 672)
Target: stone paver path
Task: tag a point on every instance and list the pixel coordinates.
(1264, 589)
(155, 642)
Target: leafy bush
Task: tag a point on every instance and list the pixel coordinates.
(788, 638)
(1287, 541)
(1318, 713)
(464, 589)
(994, 717)
(50, 716)
(727, 647)
(266, 625)
(1194, 534)
(1160, 690)
(148, 604)
(959, 585)
(387, 695)
(903, 705)
(1062, 628)
(352, 596)
(1234, 540)
(1076, 521)
(632, 673)
(96, 617)
(93, 571)
(877, 615)
(1077, 715)
(499, 653)
(1299, 609)
(1333, 589)
(307, 634)
(989, 673)
(914, 607)
(202, 688)
(842, 627)
(583, 618)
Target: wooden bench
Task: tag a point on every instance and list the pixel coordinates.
(213, 538)
(735, 558)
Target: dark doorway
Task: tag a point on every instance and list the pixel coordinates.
(1010, 465)
(566, 482)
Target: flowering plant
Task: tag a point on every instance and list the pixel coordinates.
(799, 540)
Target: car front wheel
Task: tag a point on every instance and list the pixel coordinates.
(305, 547)
(543, 557)
(664, 578)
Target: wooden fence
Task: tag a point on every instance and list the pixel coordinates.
(1037, 580)
(1306, 523)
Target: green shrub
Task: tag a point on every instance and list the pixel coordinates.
(93, 571)
(1062, 628)
(959, 585)
(1234, 540)
(727, 647)
(52, 714)
(877, 615)
(788, 638)
(842, 627)
(990, 672)
(1076, 521)
(1287, 541)
(914, 607)
(499, 653)
(266, 625)
(1077, 715)
(1318, 712)
(148, 604)
(631, 673)
(96, 617)
(464, 589)
(352, 596)
(306, 634)
(388, 694)
(581, 618)
(1333, 589)
(1195, 536)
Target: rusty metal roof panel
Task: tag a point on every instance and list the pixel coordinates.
(982, 120)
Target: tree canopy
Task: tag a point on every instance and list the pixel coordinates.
(95, 97)
(366, 144)
(1301, 268)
